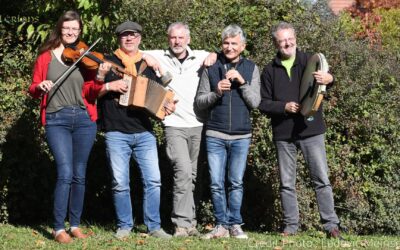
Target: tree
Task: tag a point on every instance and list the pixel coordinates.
(378, 20)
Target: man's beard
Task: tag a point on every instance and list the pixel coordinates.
(178, 50)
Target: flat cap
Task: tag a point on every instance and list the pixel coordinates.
(128, 26)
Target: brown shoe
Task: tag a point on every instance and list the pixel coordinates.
(62, 237)
(335, 234)
(287, 234)
(77, 233)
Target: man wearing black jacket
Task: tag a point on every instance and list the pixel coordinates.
(128, 133)
(280, 89)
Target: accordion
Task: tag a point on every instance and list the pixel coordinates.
(146, 93)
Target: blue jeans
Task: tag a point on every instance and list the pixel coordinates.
(70, 135)
(313, 149)
(231, 156)
(120, 147)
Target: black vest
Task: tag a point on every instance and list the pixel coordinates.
(230, 114)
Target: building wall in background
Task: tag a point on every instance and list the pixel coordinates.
(339, 5)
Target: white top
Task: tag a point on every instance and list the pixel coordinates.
(186, 77)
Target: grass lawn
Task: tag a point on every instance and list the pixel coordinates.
(39, 237)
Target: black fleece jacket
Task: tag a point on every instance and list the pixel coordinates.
(277, 89)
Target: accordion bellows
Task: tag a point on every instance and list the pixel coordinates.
(146, 93)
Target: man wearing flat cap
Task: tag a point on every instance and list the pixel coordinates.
(128, 133)
(128, 26)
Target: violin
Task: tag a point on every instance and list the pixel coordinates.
(90, 61)
(71, 53)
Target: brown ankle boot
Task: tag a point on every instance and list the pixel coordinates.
(62, 237)
(77, 233)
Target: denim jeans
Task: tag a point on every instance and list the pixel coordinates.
(120, 147)
(231, 156)
(70, 135)
(313, 149)
(183, 145)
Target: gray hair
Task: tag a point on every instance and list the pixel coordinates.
(232, 31)
(178, 25)
(281, 26)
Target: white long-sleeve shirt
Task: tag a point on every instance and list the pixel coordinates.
(185, 81)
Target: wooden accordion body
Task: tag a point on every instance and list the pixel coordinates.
(146, 93)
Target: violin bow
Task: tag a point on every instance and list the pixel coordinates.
(72, 67)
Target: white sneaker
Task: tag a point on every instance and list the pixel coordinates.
(160, 233)
(236, 232)
(122, 233)
(219, 231)
(181, 232)
(193, 232)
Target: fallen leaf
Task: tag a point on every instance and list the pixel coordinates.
(278, 248)
(34, 232)
(140, 242)
(188, 241)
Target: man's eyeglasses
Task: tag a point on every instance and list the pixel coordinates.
(288, 40)
(67, 29)
(132, 34)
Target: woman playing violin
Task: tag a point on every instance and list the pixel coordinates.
(68, 113)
